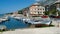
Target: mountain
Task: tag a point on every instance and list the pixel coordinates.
(49, 2)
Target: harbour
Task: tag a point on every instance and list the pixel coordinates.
(30, 17)
(14, 23)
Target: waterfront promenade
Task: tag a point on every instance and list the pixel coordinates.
(48, 30)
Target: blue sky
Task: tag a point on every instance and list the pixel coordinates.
(7, 6)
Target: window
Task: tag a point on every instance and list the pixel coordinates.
(31, 9)
(43, 9)
(38, 12)
(38, 9)
(35, 9)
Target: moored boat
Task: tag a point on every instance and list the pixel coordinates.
(16, 17)
(45, 21)
(57, 16)
(4, 19)
(54, 16)
(39, 22)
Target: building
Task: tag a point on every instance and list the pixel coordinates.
(57, 3)
(25, 11)
(35, 9)
(15, 13)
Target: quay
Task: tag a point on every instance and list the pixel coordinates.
(48, 30)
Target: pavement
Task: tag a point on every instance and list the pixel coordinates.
(47, 30)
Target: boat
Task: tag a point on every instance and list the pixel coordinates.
(44, 16)
(16, 17)
(57, 16)
(4, 19)
(54, 16)
(3, 27)
(39, 22)
(45, 21)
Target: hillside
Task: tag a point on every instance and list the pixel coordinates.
(47, 2)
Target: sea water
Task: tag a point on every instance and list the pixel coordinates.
(14, 24)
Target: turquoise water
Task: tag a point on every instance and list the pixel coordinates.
(14, 24)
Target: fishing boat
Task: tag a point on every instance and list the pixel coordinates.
(45, 21)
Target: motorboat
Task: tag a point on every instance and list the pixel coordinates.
(46, 21)
(4, 19)
(16, 17)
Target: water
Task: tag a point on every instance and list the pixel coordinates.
(14, 24)
(1, 15)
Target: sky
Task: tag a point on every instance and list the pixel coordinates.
(7, 6)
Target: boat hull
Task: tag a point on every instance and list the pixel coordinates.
(40, 25)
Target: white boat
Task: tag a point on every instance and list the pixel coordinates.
(16, 17)
(3, 19)
(41, 21)
(25, 19)
(2, 27)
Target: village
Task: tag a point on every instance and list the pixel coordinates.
(38, 11)
(41, 19)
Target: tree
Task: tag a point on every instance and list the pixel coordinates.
(51, 12)
(20, 12)
(46, 12)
